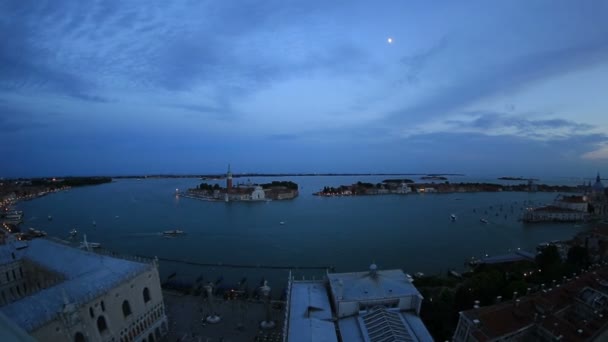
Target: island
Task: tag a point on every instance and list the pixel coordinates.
(517, 179)
(243, 192)
(403, 187)
(434, 177)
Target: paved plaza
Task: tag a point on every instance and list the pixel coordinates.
(240, 319)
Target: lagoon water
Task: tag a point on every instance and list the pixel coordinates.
(413, 232)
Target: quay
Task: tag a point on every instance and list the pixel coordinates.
(229, 265)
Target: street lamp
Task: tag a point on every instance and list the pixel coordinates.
(213, 316)
(267, 323)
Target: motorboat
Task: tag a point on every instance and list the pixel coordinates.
(37, 233)
(172, 233)
(453, 217)
(73, 232)
(484, 221)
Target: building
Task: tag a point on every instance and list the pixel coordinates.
(379, 305)
(55, 292)
(573, 202)
(553, 213)
(229, 179)
(258, 194)
(574, 309)
(598, 200)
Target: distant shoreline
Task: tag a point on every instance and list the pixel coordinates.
(221, 176)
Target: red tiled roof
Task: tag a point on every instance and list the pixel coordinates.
(502, 319)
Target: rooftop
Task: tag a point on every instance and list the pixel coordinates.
(310, 317)
(87, 275)
(542, 308)
(362, 286)
(510, 257)
(556, 209)
(381, 324)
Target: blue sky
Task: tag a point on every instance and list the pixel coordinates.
(475, 87)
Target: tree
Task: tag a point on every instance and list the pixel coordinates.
(548, 256)
(578, 256)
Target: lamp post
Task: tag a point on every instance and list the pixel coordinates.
(268, 323)
(213, 317)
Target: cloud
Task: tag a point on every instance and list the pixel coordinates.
(520, 125)
(15, 119)
(599, 154)
(416, 63)
(504, 78)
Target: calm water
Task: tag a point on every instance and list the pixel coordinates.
(412, 232)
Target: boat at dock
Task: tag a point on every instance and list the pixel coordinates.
(484, 221)
(73, 232)
(36, 233)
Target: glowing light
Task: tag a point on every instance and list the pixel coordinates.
(390, 40)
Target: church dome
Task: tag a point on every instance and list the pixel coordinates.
(598, 186)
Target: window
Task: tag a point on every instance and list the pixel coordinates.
(14, 276)
(79, 337)
(21, 272)
(102, 326)
(126, 308)
(103, 306)
(91, 312)
(146, 295)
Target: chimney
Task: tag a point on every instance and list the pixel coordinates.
(514, 295)
(528, 290)
(498, 299)
(476, 305)
(517, 302)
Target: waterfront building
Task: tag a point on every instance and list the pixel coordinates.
(550, 213)
(598, 200)
(574, 202)
(573, 309)
(258, 194)
(378, 305)
(55, 292)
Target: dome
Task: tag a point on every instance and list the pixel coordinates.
(598, 186)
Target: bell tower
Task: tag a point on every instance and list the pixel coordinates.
(228, 179)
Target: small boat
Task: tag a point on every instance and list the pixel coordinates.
(282, 223)
(174, 232)
(453, 217)
(50, 218)
(94, 223)
(37, 233)
(73, 232)
(484, 221)
(418, 275)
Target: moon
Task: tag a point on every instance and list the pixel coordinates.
(390, 40)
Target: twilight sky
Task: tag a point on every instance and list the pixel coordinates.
(476, 87)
